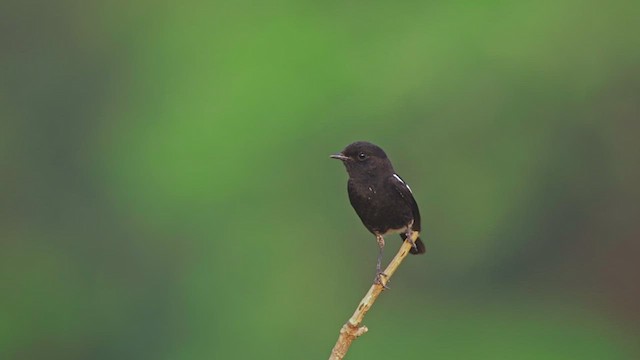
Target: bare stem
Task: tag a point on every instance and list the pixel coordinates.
(352, 329)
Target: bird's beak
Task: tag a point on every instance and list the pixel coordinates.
(339, 156)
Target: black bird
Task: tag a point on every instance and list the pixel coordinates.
(382, 200)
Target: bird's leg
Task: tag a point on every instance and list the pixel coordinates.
(409, 234)
(379, 273)
(380, 240)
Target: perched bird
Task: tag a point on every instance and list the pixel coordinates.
(382, 200)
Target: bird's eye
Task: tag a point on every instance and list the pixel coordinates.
(362, 156)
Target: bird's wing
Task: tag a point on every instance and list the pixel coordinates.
(405, 192)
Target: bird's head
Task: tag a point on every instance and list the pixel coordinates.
(364, 159)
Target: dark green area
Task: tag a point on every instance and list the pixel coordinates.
(167, 191)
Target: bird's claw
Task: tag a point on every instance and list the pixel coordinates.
(409, 236)
(378, 280)
(413, 244)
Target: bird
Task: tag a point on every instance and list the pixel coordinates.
(383, 201)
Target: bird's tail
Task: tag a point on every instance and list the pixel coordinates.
(419, 249)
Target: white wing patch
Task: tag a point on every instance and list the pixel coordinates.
(403, 183)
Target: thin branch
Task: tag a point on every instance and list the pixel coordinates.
(352, 329)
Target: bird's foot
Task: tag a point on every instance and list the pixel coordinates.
(413, 244)
(381, 279)
(409, 236)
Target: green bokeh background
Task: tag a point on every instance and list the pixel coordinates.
(167, 192)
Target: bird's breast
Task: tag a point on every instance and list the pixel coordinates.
(380, 207)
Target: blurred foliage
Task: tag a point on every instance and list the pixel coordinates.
(167, 192)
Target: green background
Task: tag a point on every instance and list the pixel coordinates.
(166, 191)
